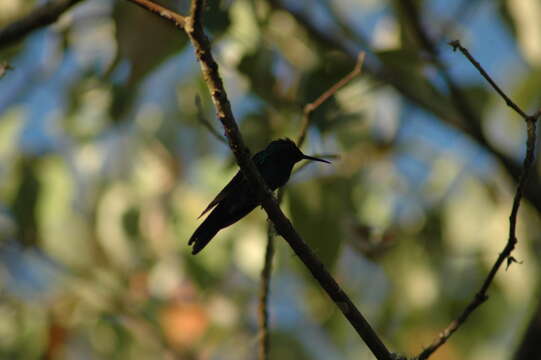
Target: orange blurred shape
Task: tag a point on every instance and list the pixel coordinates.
(57, 338)
(183, 323)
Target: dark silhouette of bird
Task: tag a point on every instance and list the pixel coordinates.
(237, 199)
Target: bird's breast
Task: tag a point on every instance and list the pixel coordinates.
(277, 176)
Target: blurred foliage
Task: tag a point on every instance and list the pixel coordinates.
(105, 166)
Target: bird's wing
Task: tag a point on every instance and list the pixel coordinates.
(236, 181)
(259, 159)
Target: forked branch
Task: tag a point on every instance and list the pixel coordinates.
(264, 341)
(193, 27)
(505, 256)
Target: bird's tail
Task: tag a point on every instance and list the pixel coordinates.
(204, 233)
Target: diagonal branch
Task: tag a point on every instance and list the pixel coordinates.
(464, 118)
(471, 121)
(283, 226)
(178, 20)
(505, 255)
(456, 45)
(194, 29)
(264, 295)
(264, 341)
(42, 16)
(309, 108)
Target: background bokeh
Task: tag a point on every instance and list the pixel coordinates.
(105, 165)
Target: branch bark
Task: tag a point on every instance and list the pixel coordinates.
(505, 255)
(263, 308)
(193, 26)
(266, 273)
(461, 119)
(309, 108)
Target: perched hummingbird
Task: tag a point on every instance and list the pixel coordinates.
(237, 200)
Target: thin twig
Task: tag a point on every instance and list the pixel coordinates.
(269, 252)
(263, 308)
(473, 125)
(42, 16)
(467, 122)
(203, 119)
(456, 45)
(178, 20)
(309, 108)
(481, 296)
(209, 68)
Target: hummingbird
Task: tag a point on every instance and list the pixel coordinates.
(237, 199)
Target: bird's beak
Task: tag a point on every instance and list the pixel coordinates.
(314, 159)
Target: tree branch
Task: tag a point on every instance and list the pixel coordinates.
(309, 108)
(178, 20)
(194, 29)
(481, 295)
(461, 120)
(269, 252)
(471, 118)
(456, 45)
(42, 16)
(263, 308)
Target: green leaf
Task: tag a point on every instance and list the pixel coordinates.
(25, 202)
(317, 210)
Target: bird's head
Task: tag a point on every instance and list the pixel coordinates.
(285, 149)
